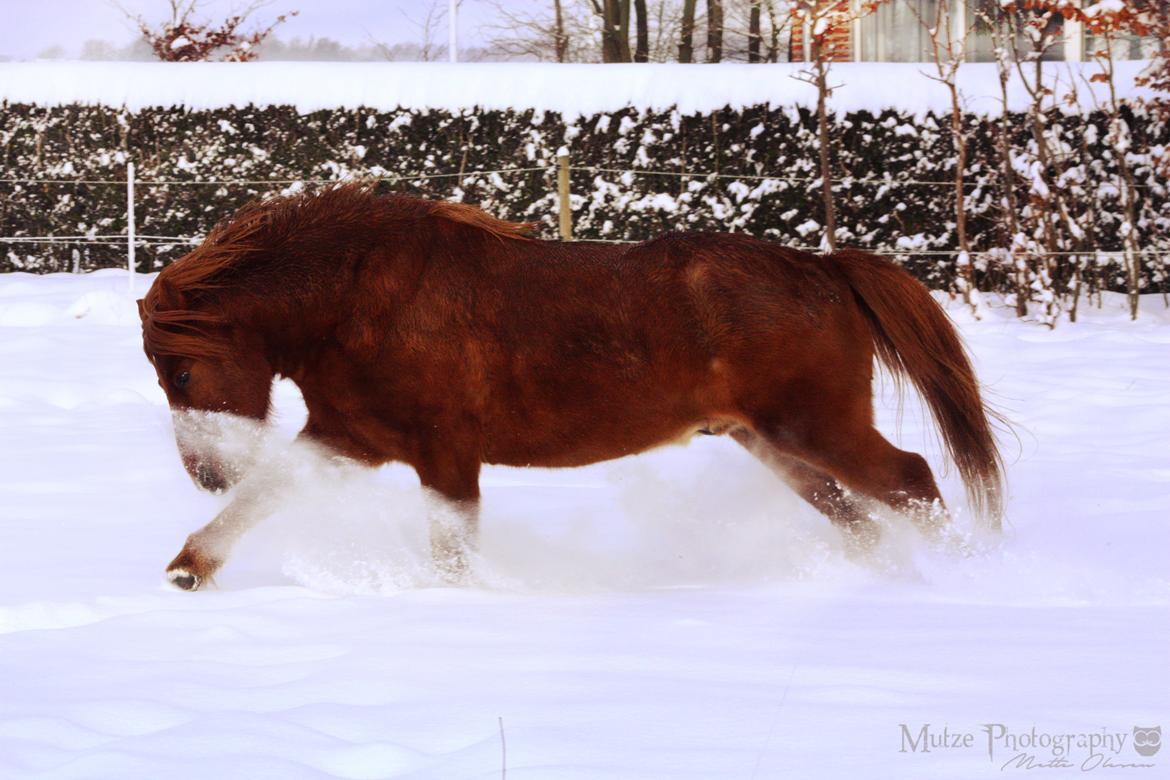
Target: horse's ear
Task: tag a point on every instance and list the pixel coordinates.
(169, 296)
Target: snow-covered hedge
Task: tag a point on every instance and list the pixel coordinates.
(893, 194)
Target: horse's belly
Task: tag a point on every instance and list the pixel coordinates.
(576, 416)
(566, 446)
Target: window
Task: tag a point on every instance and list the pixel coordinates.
(980, 47)
(1126, 47)
(894, 33)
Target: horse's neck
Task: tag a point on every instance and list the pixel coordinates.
(278, 327)
(296, 309)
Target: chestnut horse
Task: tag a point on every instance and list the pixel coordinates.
(431, 333)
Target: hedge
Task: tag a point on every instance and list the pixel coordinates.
(893, 193)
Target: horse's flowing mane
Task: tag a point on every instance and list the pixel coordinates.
(172, 326)
(476, 217)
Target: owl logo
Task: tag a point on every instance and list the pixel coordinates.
(1147, 741)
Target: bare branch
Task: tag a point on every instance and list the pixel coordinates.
(187, 39)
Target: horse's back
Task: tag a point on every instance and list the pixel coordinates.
(753, 292)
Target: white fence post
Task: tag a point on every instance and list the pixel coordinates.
(131, 266)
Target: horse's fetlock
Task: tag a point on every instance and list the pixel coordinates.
(183, 579)
(192, 568)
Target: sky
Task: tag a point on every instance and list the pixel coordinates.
(29, 27)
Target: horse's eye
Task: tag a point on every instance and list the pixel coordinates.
(182, 379)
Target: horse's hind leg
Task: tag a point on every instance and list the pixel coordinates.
(816, 487)
(828, 425)
(902, 480)
(861, 459)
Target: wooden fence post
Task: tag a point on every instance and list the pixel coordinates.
(566, 211)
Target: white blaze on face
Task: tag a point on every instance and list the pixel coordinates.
(218, 449)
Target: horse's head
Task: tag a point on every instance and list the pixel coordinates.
(215, 377)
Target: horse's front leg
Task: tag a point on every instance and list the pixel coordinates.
(452, 509)
(206, 550)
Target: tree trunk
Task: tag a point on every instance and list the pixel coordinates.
(754, 32)
(615, 33)
(959, 137)
(561, 41)
(624, 31)
(774, 40)
(609, 45)
(947, 51)
(686, 51)
(1119, 140)
(714, 30)
(1133, 264)
(1052, 200)
(1011, 214)
(642, 54)
(1078, 261)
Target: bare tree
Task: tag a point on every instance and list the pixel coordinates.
(749, 30)
(1107, 23)
(1034, 30)
(948, 49)
(1016, 250)
(661, 30)
(642, 25)
(566, 31)
(430, 26)
(184, 38)
(615, 29)
(560, 39)
(754, 38)
(686, 46)
(666, 16)
(777, 23)
(826, 22)
(554, 34)
(714, 30)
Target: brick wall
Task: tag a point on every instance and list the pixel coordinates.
(839, 41)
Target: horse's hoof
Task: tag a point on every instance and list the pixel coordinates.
(183, 579)
(453, 571)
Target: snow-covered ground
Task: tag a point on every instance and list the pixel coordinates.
(676, 614)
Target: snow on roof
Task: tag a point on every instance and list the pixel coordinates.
(570, 89)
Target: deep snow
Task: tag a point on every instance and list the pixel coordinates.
(677, 614)
(573, 90)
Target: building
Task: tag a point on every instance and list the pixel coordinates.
(896, 32)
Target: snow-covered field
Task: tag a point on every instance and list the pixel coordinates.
(678, 614)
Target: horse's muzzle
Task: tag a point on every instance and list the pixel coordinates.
(209, 478)
(207, 475)
(216, 450)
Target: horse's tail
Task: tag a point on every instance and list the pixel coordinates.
(914, 338)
